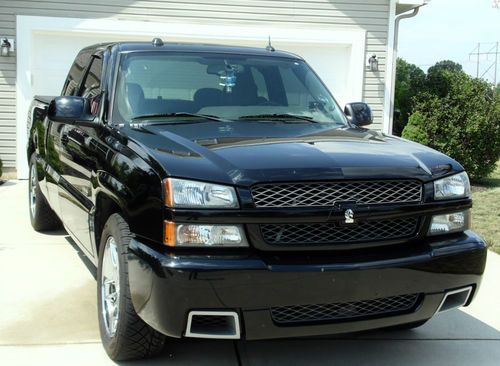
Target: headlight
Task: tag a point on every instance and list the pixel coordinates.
(193, 194)
(450, 223)
(455, 186)
(204, 235)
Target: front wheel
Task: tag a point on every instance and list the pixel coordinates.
(124, 334)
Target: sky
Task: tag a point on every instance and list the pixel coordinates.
(451, 29)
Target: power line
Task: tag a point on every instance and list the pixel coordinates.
(492, 64)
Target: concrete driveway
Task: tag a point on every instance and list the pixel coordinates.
(48, 315)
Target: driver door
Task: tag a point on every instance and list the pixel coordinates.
(79, 162)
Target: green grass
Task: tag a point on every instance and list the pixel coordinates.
(486, 209)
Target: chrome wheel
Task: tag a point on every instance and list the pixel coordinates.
(33, 182)
(110, 286)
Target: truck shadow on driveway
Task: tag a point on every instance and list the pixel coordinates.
(452, 338)
(455, 338)
(86, 261)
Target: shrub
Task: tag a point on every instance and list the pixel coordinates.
(464, 123)
(1, 165)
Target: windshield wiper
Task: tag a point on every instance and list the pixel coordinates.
(208, 117)
(285, 117)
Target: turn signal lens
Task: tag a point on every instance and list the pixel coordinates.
(169, 235)
(198, 236)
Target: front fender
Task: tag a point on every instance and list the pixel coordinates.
(136, 189)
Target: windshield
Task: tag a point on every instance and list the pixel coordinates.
(229, 87)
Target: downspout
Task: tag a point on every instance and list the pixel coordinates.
(394, 63)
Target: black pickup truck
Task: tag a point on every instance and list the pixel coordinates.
(222, 193)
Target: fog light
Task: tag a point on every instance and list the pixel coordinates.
(198, 236)
(450, 223)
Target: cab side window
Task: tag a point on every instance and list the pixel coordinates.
(92, 83)
(71, 86)
(91, 86)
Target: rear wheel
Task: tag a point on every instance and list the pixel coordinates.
(124, 334)
(42, 217)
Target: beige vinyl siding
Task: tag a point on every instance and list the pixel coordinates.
(369, 15)
(7, 103)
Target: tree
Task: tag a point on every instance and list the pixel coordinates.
(445, 65)
(464, 123)
(410, 81)
(438, 77)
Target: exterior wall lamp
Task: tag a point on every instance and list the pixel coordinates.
(372, 63)
(5, 47)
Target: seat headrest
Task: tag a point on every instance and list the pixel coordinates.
(207, 97)
(135, 96)
(244, 92)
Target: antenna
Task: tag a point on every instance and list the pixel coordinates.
(269, 46)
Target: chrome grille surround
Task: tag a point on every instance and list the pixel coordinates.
(330, 233)
(342, 311)
(310, 194)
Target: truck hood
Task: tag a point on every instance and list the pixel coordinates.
(243, 153)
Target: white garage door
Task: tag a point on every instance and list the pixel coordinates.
(339, 62)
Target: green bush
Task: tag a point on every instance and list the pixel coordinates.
(1, 165)
(464, 123)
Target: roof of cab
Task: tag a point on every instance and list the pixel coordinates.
(194, 47)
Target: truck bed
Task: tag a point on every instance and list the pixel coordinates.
(44, 98)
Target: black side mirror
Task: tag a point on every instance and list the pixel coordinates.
(71, 110)
(359, 114)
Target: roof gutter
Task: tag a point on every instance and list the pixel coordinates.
(400, 18)
(392, 76)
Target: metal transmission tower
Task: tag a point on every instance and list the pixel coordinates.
(486, 49)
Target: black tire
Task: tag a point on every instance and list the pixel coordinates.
(133, 338)
(42, 217)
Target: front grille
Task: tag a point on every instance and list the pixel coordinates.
(326, 194)
(342, 311)
(330, 233)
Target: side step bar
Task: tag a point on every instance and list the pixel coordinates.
(213, 324)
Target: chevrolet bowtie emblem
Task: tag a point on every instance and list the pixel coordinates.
(349, 216)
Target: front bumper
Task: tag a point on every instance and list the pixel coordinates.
(166, 286)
